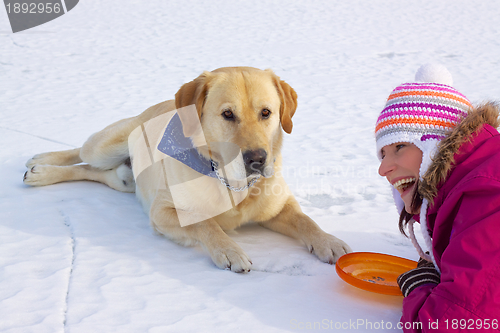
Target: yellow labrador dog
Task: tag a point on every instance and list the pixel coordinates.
(233, 118)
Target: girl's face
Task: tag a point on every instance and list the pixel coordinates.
(400, 165)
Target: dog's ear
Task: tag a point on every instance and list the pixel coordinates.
(192, 93)
(288, 98)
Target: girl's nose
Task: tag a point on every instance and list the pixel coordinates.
(386, 166)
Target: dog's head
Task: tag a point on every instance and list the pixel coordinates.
(243, 106)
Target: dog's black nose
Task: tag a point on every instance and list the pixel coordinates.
(254, 160)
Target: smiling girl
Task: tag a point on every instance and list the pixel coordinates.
(442, 157)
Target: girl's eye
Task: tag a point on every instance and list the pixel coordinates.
(398, 147)
(228, 115)
(382, 153)
(266, 113)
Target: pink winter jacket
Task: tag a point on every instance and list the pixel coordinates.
(464, 222)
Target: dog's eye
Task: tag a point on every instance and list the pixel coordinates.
(265, 113)
(228, 115)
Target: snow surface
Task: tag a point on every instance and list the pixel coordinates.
(81, 257)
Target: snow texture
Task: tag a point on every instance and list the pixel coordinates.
(81, 257)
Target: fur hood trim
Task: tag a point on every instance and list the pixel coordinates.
(444, 160)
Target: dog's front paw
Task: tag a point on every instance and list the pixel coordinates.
(328, 248)
(231, 256)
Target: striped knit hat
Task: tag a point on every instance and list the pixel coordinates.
(422, 113)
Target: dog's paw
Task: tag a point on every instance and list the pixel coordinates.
(328, 248)
(38, 175)
(231, 257)
(38, 159)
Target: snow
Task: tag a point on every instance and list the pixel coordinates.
(81, 257)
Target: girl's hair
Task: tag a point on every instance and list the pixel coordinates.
(405, 217)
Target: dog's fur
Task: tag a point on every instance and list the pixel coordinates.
(245, 92)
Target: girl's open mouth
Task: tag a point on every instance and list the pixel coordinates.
(404, 184)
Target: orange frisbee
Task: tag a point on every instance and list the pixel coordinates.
(374, 272)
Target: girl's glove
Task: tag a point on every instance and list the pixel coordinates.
(425, 273)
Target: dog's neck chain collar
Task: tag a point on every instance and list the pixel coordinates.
(226, 184)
